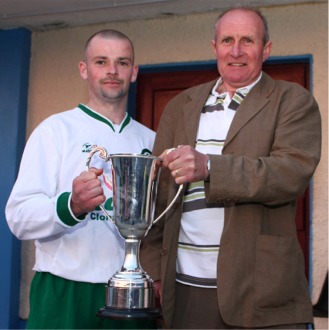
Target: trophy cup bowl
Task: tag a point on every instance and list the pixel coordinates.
(130, 291)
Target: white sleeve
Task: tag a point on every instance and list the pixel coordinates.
(31, 209)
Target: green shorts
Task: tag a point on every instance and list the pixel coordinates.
(57, 303)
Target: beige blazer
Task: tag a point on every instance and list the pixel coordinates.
(269, 157)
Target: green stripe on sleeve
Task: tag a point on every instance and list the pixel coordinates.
(63, 210)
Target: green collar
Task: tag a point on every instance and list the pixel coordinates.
(101, 118)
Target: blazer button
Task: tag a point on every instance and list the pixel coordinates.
(163, 252)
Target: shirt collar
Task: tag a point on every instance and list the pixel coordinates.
(244, 90)
(116, 128)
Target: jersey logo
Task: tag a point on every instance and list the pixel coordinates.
(87, 147)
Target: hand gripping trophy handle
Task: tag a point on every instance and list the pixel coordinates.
(130, 291)
(103, 155)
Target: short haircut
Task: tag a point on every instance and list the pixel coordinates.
(109, 34)
(266, 36)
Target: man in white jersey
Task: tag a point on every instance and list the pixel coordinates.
(245, 147)
(55, 201)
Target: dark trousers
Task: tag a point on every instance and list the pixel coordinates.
(197, 308)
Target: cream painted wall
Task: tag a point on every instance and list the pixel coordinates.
(55, 85)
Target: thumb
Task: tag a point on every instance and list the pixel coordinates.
(97, 171)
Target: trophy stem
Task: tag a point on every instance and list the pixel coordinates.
(131, 261)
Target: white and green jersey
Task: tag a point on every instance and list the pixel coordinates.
(88, 249)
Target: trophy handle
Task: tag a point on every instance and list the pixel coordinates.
(175, 198)
(102, 154)
(170, 205)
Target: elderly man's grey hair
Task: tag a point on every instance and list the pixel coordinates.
(266, 36)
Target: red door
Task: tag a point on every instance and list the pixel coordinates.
(154, 90)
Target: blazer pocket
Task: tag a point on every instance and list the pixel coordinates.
(276, 271)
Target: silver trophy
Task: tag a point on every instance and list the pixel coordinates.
(130, 291)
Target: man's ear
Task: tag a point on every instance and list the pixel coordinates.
(267, 50)
(83, 70)
(213, 44)
(134, 74)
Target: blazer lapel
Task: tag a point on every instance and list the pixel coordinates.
(251, 105)
(192, 110)
(254, 102)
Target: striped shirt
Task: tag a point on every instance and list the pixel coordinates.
(202, 223)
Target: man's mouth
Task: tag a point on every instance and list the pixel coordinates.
(237, 64)
(111, 84)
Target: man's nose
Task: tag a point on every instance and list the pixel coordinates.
(112, 69)
(236, 49)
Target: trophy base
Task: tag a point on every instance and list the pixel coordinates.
(129, 314)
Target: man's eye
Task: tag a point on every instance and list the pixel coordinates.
(123, 63)
(247, 40)
(100, 62)
(227, 40)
